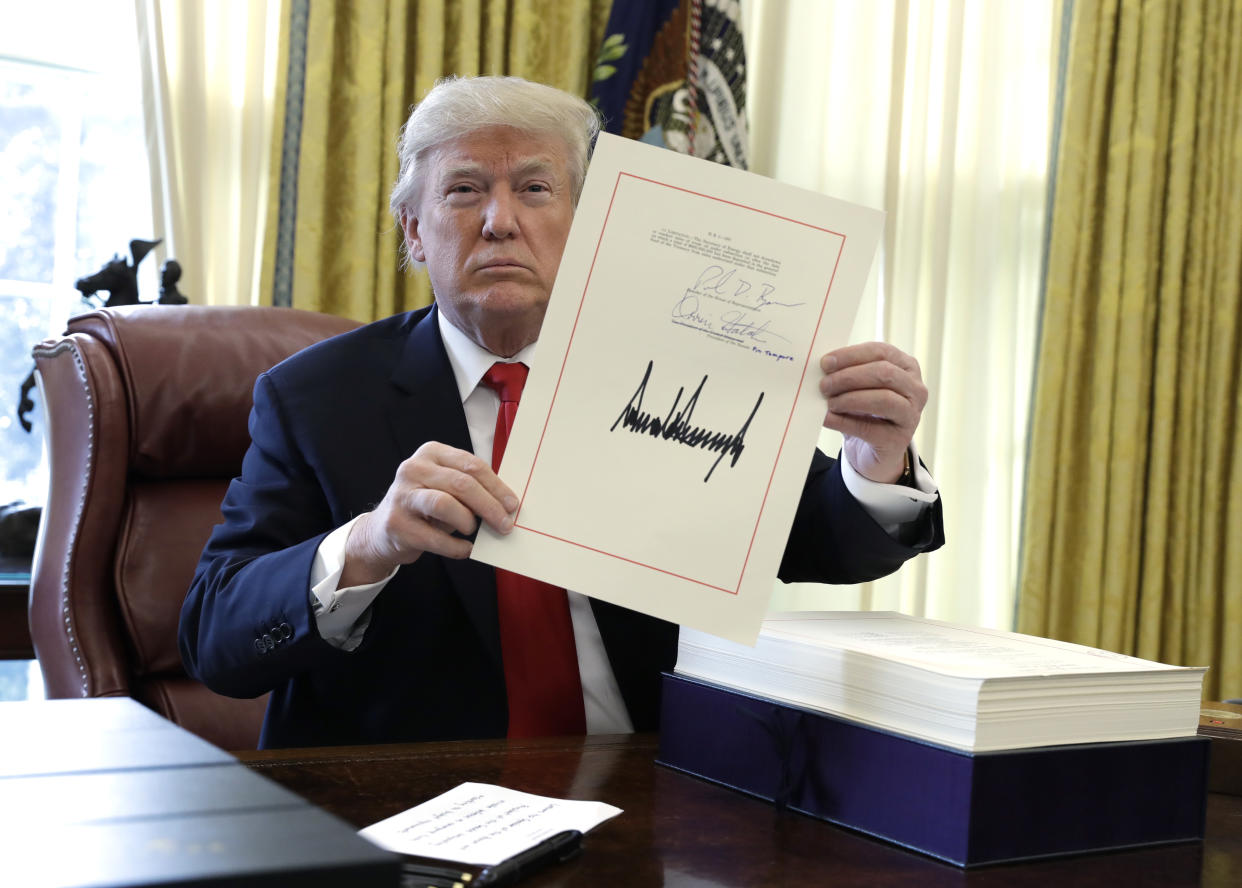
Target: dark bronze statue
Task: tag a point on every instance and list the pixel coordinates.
(24, 404)
(169, 275)
(120, 279)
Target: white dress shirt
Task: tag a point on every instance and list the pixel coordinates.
(343, 615)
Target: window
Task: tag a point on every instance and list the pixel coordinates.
(74, 173)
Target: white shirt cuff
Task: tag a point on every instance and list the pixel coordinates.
(341, 615)
(892, 505)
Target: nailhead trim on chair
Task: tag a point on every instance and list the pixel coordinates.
(77, 518)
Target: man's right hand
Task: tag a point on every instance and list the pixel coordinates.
(437, 491)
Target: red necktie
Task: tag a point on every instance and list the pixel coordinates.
(536, 633)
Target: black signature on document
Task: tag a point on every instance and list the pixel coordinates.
(676, 425)
(728, 286)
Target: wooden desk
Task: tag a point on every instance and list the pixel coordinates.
(677, 830)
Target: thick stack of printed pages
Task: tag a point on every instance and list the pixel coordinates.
(972, 689)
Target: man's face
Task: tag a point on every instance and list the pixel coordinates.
(491, 225)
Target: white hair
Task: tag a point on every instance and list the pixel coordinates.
(457, 106)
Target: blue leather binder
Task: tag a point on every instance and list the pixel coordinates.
(964, 808)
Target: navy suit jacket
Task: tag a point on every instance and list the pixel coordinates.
(329, 428)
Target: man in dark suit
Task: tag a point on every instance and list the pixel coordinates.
(340, 579)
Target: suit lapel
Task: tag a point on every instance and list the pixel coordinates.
(426, 407)
(639, 648)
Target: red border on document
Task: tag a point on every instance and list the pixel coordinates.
(788, 420)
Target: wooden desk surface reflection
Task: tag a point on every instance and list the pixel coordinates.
(678, 830)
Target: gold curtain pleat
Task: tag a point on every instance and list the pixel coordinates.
(1133, 516)
(367, 63)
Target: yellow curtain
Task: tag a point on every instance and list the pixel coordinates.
(209, 81)
(1133, 518)
(366, 63)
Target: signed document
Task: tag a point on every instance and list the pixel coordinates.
(670, 416)
(482, 824)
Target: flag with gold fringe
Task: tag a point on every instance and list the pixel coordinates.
(673, 73)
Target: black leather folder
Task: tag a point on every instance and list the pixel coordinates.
(106, 793)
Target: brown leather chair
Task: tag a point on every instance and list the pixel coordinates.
(147, 410)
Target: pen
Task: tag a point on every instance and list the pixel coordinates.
(426, 875)
(555, 849)
(414, 880)
(452, 873)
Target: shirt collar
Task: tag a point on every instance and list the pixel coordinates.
(468, 359)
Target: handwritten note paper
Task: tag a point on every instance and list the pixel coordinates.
(481, 824)
(673, 406)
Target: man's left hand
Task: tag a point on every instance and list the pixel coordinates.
(875, 395)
